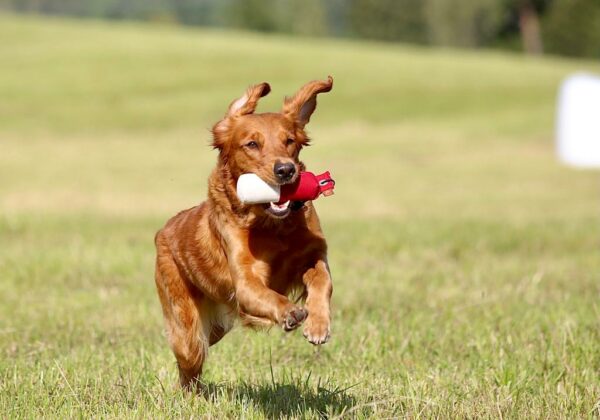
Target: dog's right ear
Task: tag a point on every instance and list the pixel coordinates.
(247, 103)
(242, 106)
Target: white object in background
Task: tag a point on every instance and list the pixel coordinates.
(251, 189)
(578, 121)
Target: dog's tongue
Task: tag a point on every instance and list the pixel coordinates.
(280, 206)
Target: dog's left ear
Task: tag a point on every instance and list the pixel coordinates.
(300, 107)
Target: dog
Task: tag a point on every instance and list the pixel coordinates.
(224, 260)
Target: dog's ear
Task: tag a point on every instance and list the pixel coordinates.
(247, 103)
(300, 107)
(242, 106)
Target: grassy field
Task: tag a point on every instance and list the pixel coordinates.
(465, 259)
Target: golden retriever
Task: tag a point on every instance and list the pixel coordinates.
(223, 259)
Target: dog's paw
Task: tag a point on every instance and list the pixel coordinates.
(317, 330)
(293, 318)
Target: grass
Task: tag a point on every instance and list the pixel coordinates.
(465, 258)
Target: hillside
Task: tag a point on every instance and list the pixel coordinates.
(92, 76)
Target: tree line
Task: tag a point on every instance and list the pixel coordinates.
(566, 27)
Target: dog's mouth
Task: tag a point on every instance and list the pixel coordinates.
(279, 211)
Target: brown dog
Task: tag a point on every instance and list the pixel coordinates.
(221, 259)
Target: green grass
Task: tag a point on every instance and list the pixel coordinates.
(465, 258)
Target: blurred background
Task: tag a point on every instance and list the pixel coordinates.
(464, 255)
(565, 27)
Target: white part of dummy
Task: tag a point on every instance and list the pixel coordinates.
(578, 121)
(251, 189)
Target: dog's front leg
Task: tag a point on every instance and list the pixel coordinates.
(259, 305)
(319, 289)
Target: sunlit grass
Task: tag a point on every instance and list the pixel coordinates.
(465, 259)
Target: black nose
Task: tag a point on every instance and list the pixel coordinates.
(284, 171)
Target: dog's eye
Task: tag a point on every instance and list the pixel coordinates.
(252, 145)
(289, 141)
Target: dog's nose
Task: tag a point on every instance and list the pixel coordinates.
(284, 171)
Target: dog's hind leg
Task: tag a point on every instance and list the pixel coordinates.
(181, 310)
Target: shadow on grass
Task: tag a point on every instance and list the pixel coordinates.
(293, 398)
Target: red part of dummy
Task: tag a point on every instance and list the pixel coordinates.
(308, 187)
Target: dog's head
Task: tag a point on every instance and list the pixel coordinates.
(267, 144)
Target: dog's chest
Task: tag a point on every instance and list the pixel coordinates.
(280, 260)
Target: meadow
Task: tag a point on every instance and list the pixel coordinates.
(465, 258)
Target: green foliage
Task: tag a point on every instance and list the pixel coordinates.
(466, 23)
(465, 259)
(306, 17)
(196, 12)
(258, 15)
(388, 19)
(572, 28)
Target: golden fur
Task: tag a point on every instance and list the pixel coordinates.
(222, 259)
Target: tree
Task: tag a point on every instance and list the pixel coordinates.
(529, 26)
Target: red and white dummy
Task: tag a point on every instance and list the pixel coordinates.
(251, 189)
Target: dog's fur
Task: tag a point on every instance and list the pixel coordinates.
(222, 259)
